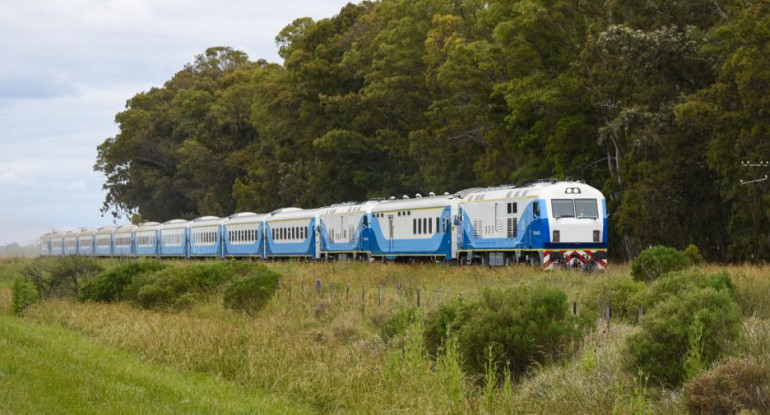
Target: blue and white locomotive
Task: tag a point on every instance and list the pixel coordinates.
(549, 223)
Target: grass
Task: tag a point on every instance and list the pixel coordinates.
(54, 371)
(326, 350)
(10, 269)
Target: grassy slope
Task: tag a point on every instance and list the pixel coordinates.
(51, 370)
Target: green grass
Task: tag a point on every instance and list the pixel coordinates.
(49, 370)
(10, 269)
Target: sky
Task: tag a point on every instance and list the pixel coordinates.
(70, 65)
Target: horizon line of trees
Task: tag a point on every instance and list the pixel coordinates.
(656, 103)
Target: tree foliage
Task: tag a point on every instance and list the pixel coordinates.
(655, 103)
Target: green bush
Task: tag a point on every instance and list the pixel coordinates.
(440, 323)
(736, 385)
(656, 261)
(516, 327)
(177, 286)
(694, 254)
(110, 285)
(62, 276)
(675, 284)
(684, 333)
(623, 293)
(24, 295)
(251, 294)
(397, 323)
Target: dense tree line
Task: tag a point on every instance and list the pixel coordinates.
(654, 102)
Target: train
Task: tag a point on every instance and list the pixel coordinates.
(548, 223)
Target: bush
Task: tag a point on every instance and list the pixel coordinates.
(251, 294)
(683, 334)
(397, 324)
(110, 286)
(675, 284)
(693, 253)
(62, 276)
(734, 386)
(24, 295)
(624, 295)
(439, 323)
(656, 261)
(520, 327)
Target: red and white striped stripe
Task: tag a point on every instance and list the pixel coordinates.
(584, 256)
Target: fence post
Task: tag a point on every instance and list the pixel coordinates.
(303, 288)
(363, 299)
(399, 288)
(347, 292)
(607, 314)
(461, 295)
(318, 287)
(574, 308)
(379, 296)
(290, 285)
(419, 297)
(641, 313)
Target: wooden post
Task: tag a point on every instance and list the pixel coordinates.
(400, 289)
(574, 308)
(608, 314)
(347, 292)
(290, 284)
(641, 312)
(318, 287)
(363, 299)
(419, 297)
(303, 288)
(379, 296)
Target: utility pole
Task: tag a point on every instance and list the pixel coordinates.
(754, 183)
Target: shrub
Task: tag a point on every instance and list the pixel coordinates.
(693, 253)
(734, 386)
(251, 294)
(684, 333)
(439, 323)
(675, 284)
(520, 327)
(62, 276)
(110, 285)
(658, 260)
(397, 323)
(24, 295)
(624, 294)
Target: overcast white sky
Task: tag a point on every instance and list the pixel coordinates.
(70, 65)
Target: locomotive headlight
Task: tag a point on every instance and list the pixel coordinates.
(555, 236)
(597, 234)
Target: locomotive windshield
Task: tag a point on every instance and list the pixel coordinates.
(586, 208)
(563, 208)
(581, 208)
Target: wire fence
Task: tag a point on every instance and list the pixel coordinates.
(369, 298)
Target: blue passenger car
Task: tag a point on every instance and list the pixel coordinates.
(344, 230)
(103, 241)
(419, 227)
(146, 239)
(57, 244)
(243, 235)
(123, 240)
(172, 236)
(86, 242)
(205, 237)
(291, 233)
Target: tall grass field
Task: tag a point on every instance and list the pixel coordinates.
(292, 337)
